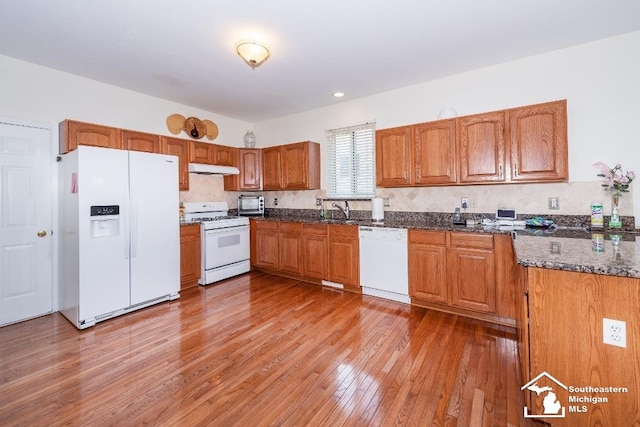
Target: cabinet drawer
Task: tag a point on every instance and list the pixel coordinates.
(349, 231)
(320, 229)
(190, 230)
(291, 227)
(472, 240)
(266, 225)
(428, 237)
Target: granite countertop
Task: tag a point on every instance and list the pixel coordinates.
(563, 248)
(597, 252)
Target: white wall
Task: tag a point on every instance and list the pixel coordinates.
(34, 93)
(599, 81)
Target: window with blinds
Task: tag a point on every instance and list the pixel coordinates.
(351, 162)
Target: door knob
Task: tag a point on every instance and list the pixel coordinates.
(42, 233)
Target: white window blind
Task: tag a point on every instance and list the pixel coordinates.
(351, 162)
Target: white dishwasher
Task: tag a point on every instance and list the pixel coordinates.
(384, 269)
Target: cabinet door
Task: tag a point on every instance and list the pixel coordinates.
(472, 279)
(140, 141)
(482, 149)
(266, 245)
(539, 142)
(249, 163)
(428, 266)
(435, 152)
(394, 159)
(295, 166)
(271, 168)
(73, 134)
(180, 148)
(190, 255)
(344, 255)
(315, 246)
(290, 241)
(223, 155)
(200, 152)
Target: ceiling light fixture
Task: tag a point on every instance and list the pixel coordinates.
(252, 52)
(338, 94)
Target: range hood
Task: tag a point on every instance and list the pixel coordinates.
(203, 169)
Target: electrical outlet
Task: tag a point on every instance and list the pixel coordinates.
(318, 201)
(554, 248)
(554, 203)
(464, 202)
(385, 201)
(275, 201)
(614, 332)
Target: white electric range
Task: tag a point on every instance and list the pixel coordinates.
(225, 240)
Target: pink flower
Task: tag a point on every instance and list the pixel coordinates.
(604, 169)
(631, 175)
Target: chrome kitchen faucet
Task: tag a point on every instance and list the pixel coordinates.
(345, 211)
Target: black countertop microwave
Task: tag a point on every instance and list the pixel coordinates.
(249, 205)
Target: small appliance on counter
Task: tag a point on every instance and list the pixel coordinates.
(506, 220)
(250, 205)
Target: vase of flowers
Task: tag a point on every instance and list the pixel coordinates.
(616, 182)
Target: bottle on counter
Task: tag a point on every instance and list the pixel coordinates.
(597, 218)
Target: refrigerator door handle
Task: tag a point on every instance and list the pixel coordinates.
(134, 218)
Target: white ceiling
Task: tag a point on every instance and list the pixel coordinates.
(184, 50)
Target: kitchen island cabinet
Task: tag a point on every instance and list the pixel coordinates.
(190, 255)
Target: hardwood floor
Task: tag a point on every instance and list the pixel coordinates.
(259, 350)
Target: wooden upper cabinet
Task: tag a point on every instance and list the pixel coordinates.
(271, 168)
(249, 162)
(291, 167)
(539, 142)
(223, 155)
(180, 148)
(435, 152)
(140, 141)
(482, 148)
(201, 152)
(301, 166)
(74, 133)
(394, 160)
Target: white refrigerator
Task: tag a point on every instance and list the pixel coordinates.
(120, 234)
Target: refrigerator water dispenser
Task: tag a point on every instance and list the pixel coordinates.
(105, 221)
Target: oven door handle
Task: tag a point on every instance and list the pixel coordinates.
(226, 230)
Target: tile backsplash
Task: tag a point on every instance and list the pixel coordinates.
(574, 198)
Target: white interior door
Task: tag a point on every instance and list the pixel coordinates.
(26, 217)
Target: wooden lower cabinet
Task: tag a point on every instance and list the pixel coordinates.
(290, 247)
(190, 255)
(564, 320)
(471, 274)
(428, 266)
(310, 251)
(315, 248)
(344, 255)
(266, 244)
